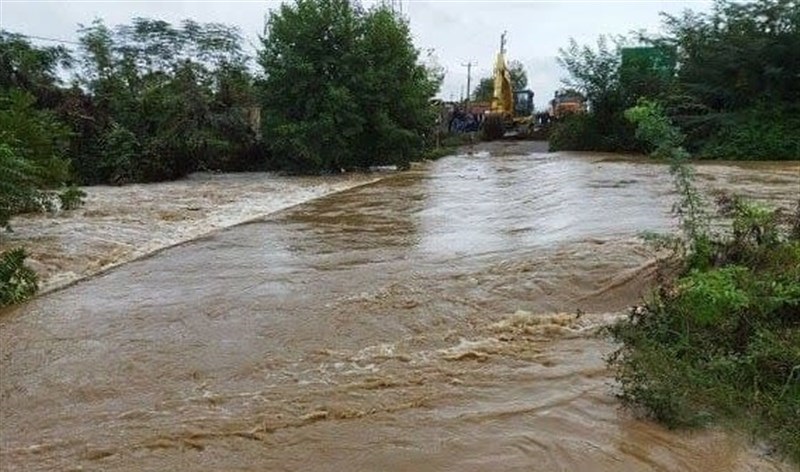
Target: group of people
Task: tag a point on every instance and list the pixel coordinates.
(462, 121)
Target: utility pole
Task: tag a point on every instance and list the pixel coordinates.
(469, 65)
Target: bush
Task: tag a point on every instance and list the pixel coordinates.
(447, 145)
(592, 132)
(575, 132)
(720, 341)
(71, 198)
(759, 134)
(17, 282)
(722, 344)
(119, 150)
(36, 136)
(17, 184)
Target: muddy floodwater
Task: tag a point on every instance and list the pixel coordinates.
(119, 224)
(425, 322)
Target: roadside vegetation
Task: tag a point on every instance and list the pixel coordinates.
(326, 105)
(735, 94)
(718, 342)
(151, 101)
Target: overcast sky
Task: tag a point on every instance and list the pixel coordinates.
(458, 31)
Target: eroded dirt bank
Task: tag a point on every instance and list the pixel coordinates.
(423, 323)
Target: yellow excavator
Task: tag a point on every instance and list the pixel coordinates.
(511, 112)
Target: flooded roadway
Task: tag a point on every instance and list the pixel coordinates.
(425, 322)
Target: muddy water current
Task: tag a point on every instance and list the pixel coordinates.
(426, 322)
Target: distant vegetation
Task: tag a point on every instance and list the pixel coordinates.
(735, 92)
(151, 101)
(719, 341)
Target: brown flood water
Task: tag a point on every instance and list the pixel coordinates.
(422, 323)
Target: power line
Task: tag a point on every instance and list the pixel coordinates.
(42, 38)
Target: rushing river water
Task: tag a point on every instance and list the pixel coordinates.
(423, 323)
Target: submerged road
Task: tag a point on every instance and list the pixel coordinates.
(425, 322)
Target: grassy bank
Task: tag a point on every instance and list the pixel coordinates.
(718, 342)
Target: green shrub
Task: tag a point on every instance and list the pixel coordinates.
(119, 150)
(36, 136)
(24, 188)
(17, 281)
(71, 198)
(720, 345)
(17, 184)
(592, 132)
(762, 133)
(574, 133)
(720, 341)
(708, 298)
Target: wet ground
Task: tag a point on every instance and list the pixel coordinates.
(441, 319)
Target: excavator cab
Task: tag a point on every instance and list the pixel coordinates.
(523, 103)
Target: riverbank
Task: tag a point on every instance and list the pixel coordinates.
(124, 223)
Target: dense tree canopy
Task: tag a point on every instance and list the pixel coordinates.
(734, 93)
(33, 141)
(738, 81)
(168, 100)
(343, 87)
(29, 68)
(739, 53)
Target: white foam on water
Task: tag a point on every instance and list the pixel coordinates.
(121, 224)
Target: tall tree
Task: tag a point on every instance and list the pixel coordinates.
(595, 72)
(31, 68)
(326, 102)
(170, 100)
(739, 53)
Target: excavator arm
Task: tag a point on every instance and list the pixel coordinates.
(511, 110)
(503, 97)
